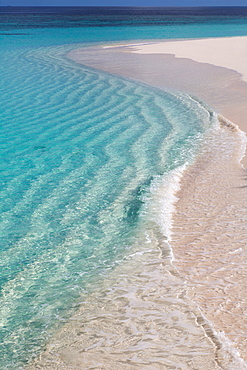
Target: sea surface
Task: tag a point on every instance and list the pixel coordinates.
(89, 161)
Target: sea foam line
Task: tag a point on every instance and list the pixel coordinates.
(160, 203)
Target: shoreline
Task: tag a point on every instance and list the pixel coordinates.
(209, 258)
(135, 311)
(203, 51)
(157, 64)
(220, 183)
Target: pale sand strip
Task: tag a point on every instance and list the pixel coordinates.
(210, 69)
(228, 52)
(209, 234)
(210, 225)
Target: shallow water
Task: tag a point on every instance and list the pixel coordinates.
(89, 167)
(156, 310)
(77, 167)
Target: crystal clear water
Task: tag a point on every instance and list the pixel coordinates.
(81, 150)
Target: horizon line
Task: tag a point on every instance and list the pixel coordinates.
(120, 6)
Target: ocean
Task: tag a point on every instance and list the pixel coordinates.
(90, 164)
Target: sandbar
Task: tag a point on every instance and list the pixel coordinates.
(209, 234)
(209, 225)
(213, 70)
(228, 52)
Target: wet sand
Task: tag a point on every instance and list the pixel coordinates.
(209, 232)
(224, 89)
(210, 237)
(191, 314)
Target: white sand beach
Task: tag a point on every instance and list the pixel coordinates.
(209, 234)
(228, 52)
(214, 70)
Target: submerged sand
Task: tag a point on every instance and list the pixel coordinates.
(213, 70)
(192, 314)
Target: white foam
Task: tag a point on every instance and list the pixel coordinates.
(160, 203)
(236, 362)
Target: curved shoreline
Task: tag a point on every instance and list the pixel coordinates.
(226, 52)
(157, 64)
(211, 204)
(220, 180)
(134, 316)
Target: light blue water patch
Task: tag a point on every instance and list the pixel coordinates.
(55, 26)
(79, 150)
(48, 37)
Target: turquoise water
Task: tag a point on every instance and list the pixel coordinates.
(79, 152)
(56, 26)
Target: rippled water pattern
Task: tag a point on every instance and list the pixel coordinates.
(79, 152)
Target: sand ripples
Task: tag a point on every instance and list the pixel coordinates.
(79, 153)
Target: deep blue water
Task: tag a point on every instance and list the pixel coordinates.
(79, 151)
(49, 26)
